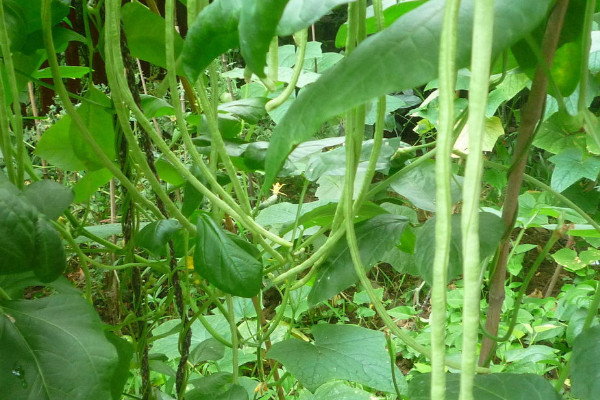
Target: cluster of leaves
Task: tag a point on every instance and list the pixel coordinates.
(57, 346)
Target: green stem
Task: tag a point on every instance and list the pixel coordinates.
(5, 141)
(234, 338)
(443, 167)
(17, 120)
(300, 37)
(483, 21)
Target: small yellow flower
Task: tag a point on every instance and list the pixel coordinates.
(189, 262)
(277, 189)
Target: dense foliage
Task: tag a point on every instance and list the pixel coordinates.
(226, 200)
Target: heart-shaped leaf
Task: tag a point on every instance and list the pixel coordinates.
(344, 352)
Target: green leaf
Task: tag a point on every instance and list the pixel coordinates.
(145, 33)
(323, 215)
(337, 391)
(555, 136)
(121, 375)
(66, 71)
(17, 229)
(223, 262)
(229, 126)
(218, 386)
(280, 217)
(33, 13)
(14, 21)
(49, 260)
(489, 387)
(493, 129)
(56, 147)
(390, 14)
(251, 109)
(214, 31)
(155, 236)
(375, 236)
(49, 197)
(29, 241)
(55, 348)
(491, 229)
(344, 352)
(155, 107)
(210, 349)
(299, 14)
(168, 173)
(98, 118)
(258, 24)
(392, 60)
(569, 259)
(585, 367)
(571, 167)
(418, 186)
(90, 183)
(333, 162)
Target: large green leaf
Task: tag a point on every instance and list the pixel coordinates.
(345, 352)
(145, 33)
(403, 56)
(554, 135)
(49, 197)
(218, 386)
(337, 391)
(29, 241)
(210, 349)
(33, 14)
(55, 349)
(375, 237)
(489, 387)
(225, 264)
(155, 236)
(14, 23)
(585, 367)
(56, 147)
(258, 24)
(491, 229)
(214, 31)
(569, 167)
(299, 14)
(49, 259)
(250, 110)
(155, 107)
(98, 118)
(90, 183)
(17, 229)
(418, 186)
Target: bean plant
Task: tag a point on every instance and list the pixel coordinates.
(201, 200)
